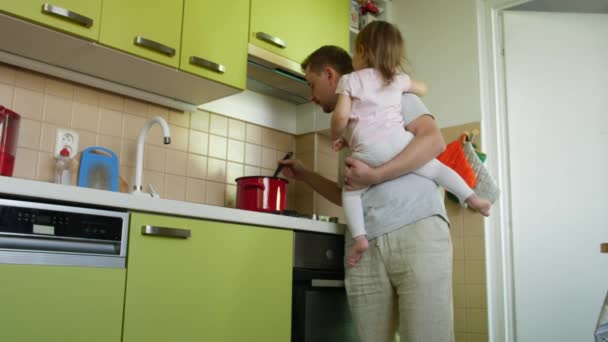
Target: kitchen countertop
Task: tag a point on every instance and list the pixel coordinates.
(85, 196)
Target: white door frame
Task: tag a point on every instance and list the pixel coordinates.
(494, 134)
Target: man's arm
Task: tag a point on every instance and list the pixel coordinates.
(419, 88)
(325, 187)
(427, 144)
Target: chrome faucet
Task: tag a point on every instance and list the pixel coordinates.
(139, 165)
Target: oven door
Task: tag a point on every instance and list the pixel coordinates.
(320, 310)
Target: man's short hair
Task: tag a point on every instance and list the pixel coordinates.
(329, 55)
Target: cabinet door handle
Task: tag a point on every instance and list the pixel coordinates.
(271, 39)
(207, 64)
(67, 14)
(152, 45)
(166, 232)
(326, 283)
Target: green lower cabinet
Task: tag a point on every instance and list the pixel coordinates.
(226, 282)
(79, 17)
(60, 303)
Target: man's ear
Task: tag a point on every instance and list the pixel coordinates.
(332, 75)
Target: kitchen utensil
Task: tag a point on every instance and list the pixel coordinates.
(98, 169)
(280, 167)
(9, 130)
(261, 193)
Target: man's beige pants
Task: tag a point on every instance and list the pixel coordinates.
(404, 282)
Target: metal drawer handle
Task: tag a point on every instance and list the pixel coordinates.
(271, 39)
(152, 45)
(166, 232)
(326, 283)
(67, 14)
(203, 63)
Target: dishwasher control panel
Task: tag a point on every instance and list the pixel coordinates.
(57, 234)
(20, 220)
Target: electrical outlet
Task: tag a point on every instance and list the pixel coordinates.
(66, 139)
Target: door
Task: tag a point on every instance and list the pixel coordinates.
(61, 303)
(303, 26)
(557, 100)
(80, 17)
(225, 282)
(214, 45)
(320, 310)
(149, 29)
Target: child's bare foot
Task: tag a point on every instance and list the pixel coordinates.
(356, 250)
(477, 203)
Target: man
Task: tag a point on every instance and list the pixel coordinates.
(404, 280)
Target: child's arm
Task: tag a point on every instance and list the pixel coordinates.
(419, 88)
(339, 119)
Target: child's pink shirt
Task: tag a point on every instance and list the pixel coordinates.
(376, 107)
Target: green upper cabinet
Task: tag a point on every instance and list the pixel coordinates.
(225, 282)
(301, 27)
(214, 40)
(146, 28)
(61, 303)
(79, 17)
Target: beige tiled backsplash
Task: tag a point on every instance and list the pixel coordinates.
(206, 153)
(467, 229)
(314, 151)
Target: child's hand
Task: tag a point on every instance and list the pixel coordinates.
(338, 144)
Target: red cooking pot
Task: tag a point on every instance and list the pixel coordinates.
(9, 130)
(260, 193)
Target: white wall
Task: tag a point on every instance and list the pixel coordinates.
(441, 39)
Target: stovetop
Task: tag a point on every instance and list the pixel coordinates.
(315, 217)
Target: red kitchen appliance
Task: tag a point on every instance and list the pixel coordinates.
(259, 193)
(9, 130)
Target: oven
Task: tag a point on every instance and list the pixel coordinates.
(320, 310)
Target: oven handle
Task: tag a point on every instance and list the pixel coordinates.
(326, 283)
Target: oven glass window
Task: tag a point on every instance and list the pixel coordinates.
(328, 318)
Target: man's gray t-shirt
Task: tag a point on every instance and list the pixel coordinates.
(391, 205)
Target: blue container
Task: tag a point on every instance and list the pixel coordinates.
(98, 169)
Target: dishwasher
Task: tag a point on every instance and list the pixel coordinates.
(62, 271)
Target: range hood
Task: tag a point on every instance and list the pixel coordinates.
(276, 76)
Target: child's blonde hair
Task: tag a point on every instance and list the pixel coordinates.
(383, 49)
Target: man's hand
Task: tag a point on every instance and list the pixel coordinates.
(426, 145)
(293, 168)
(358, 175)
(338, 144)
